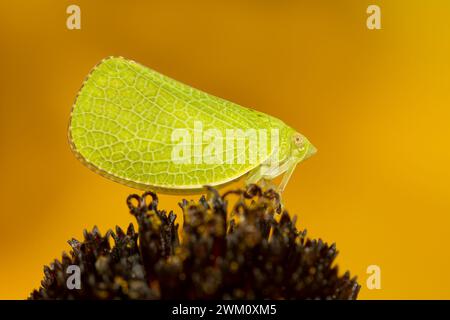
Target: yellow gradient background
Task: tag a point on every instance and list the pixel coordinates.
(375, 103)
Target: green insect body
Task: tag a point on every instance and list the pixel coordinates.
(123, 123)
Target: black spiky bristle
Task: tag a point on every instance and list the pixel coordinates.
(248, 252)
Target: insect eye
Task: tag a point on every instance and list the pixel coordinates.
(298, 140)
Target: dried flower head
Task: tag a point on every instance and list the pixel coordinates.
(248, 252)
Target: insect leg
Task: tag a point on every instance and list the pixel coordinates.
(267, 172)
(255, 175)
(259, 175)
(287, 175)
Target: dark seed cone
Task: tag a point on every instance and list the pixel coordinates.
(248, 252)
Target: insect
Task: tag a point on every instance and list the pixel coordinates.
(138, 127)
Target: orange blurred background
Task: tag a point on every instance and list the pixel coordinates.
(374, 102)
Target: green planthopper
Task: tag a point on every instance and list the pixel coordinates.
(138, 127)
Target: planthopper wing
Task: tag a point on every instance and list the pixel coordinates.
(143, 129)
